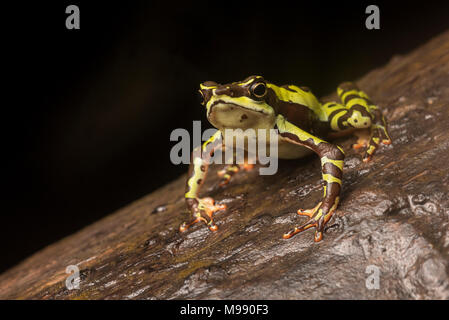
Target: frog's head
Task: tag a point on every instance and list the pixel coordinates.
(245, 104)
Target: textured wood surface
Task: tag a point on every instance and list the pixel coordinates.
(394, 215)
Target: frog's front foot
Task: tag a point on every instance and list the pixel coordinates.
(202, 210)
(318, 217)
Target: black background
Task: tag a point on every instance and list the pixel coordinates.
(87, 114)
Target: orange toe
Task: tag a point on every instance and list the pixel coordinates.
(358, 146)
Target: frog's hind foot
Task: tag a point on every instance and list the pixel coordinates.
(370, 141)
(378, 135)
(308, 212)
(317, 219)
(226, 174)
(247, 166)
(230, 170)
(203, 210)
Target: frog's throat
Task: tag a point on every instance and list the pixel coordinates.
(250, 108)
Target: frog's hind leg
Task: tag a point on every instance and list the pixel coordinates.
(233, 167)
(358, 112)
(230, 170)
(226, 173)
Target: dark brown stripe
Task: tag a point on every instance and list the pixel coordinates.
(350, 97)
(332, 191)
(285, 86)
(335, 112)
(330, 168)
(308, 143)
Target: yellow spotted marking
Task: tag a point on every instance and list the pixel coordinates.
(214, 137)
(192, 182)
(357, 120)
(197, 173)
(370, 150)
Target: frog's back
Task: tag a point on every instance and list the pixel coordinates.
(298, 105)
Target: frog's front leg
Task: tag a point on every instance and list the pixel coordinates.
(332, 171)
(201, 209)
(358, 112)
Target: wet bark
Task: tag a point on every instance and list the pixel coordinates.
(393, 217)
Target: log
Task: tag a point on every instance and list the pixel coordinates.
(393, 220)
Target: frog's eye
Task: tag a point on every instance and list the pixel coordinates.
(259, 89)
(200, 97)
